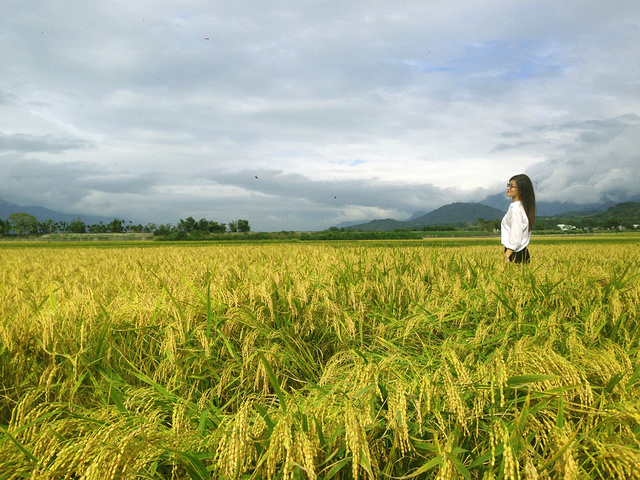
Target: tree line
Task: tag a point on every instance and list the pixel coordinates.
(24, 224)
(621, 217)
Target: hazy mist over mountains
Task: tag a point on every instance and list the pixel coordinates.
(43, 214)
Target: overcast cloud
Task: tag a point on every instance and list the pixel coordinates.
(299, 115)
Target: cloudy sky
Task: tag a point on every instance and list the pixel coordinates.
(299, 115)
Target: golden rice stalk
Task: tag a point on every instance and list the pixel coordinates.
(279, 451)
(508, 461)
(357, 443)
(616, 461)
(529, 472)
(236, 450)
(446, 470)
(397, 420)
(566, 466)
(454, 402)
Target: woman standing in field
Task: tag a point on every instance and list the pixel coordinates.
(515, 231)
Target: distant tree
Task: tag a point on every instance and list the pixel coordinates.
(188, 225)
(48, 226)
(243, 226)
(163, 230)
(588, 224)
(116, 226)
(483, 225)
(173, 234)
(149, 228)
(611, 223)
(198, 235)
(541, 225)
(215, 227)
(23, 223)
(77, 226)
(97, 228)
(203, 225)
(4, 227)
(438, 228)
(233, 227)
(627, 224)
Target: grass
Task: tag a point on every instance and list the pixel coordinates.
(408, 359)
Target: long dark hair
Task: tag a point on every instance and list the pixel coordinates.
(527, 197)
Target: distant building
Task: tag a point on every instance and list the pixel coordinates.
(565, 228)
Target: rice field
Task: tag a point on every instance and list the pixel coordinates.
(349, 360)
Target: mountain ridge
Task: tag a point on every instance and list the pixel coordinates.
(461, 212)
(452, 213)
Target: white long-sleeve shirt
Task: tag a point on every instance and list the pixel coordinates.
(514, 231)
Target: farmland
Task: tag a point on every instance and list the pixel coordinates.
(399, 359)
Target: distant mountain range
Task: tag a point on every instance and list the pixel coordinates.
(445, 215)
(43, 214)
(547, 209)
(491, 208)
(625, 212)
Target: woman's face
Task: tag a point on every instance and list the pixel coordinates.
(512, 190)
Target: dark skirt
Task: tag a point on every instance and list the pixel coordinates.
(520, 257)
